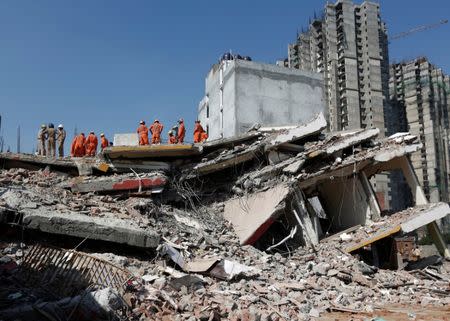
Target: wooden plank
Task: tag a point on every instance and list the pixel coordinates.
(374, 238)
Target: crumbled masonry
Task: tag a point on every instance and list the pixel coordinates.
(279, 224)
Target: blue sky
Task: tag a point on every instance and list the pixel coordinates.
(104, 65)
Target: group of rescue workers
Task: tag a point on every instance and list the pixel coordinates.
(87, 146)
(176, 134)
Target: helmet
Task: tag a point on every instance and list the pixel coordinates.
(156, 121)
(181, 120)
(101, 135)
(170, 132)
(142, 122)
(50, 125)
(60, 126)
(91, 132)
(43, 126)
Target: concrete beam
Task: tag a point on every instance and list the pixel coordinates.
(119, 183)
(83, 226)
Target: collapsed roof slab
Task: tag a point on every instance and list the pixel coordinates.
(152, 151)
(345, 140)
(72, 165)
(315, 126)
(155, 181)
(83, 226)
(406, 221)
(252, 216)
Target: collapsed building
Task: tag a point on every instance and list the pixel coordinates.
(273, 224)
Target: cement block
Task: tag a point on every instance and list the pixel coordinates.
(131, 139)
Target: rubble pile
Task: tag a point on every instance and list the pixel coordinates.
(257, 227)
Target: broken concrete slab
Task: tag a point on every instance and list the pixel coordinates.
(252, 215)
(152, 151)
(405, 222)
(97, 228)
(313, 127)
(138, 165)
(344, 141)
(153, 181)
(70, 165)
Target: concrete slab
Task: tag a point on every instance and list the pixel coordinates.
(83, 226)
(154, 181)
(357, 138)
(312, 127)
(152, 151)
(251, 216)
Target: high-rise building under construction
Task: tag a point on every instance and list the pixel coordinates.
(420, 103)
(348, 45)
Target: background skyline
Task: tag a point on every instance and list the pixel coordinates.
(105, 65)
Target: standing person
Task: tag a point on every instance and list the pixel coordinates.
(91, 144)
(172, 138)
(78, 148)
(156, 128)
(143, 133)
(60, 138)
(203, 137)
(104, 141)
(198, 130)
(42, 137)
(181, 131)
(51, 146)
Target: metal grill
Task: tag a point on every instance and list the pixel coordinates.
(68, 272)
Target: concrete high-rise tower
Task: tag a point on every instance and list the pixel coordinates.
(420, 104)
(348, 45)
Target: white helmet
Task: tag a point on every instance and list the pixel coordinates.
(60, 126)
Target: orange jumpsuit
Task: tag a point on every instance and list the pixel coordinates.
(198, 130)
(91, 145)
(203, 137)
(156, 128)
(143, 134)
(172, 139)
(181, 133)
(104, 143)
(78, 148)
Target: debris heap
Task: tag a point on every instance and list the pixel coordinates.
(276, 224)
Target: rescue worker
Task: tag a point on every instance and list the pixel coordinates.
(198, 130)
(156, 129)
(143, 133)
(172, 138)
(78, 148)
(51, 144)
(181, 131)
(104, 141)
(42, 137)
(60, 138)
(203, 137)
(91, 144)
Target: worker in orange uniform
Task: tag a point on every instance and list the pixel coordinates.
(91, 144)
(156, 129)
(78, 148)
(172, 138)
(104, 142)
(203, 137)
(181, 131)
(143, 133)
(198, 130)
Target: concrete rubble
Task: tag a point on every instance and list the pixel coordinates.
(279, 224)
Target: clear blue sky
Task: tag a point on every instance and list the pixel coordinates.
(104, 65)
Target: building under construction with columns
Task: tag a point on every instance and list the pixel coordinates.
(348, 45)
(420, 102)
